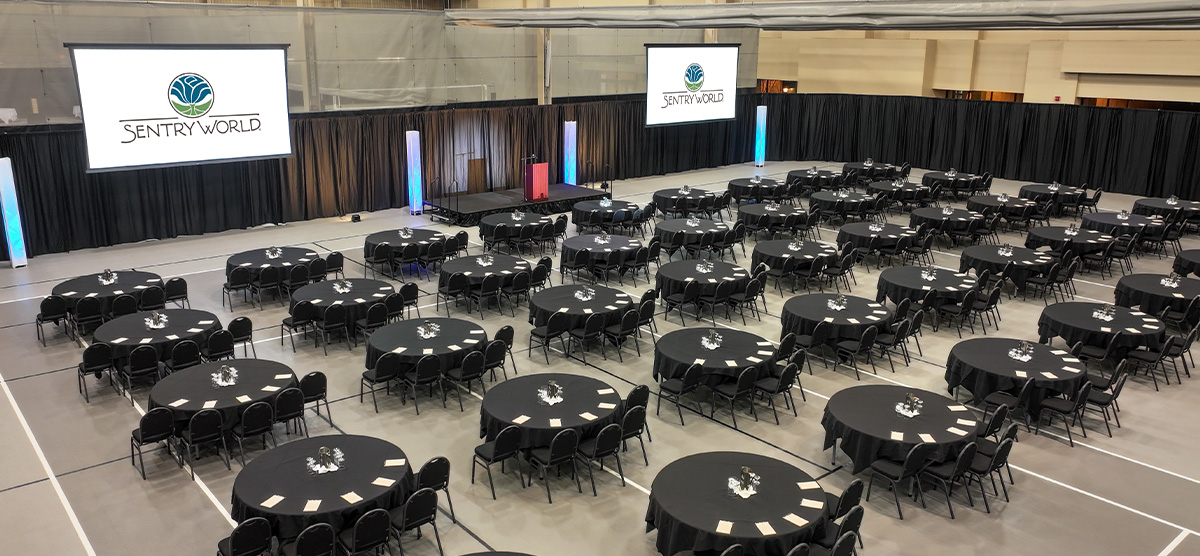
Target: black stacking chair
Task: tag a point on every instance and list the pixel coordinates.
(420, 509)
(387, 368)
(370, 532)
(949, 473)
(302, 319)
(506, 446)
(157, 425)
(257, 420)
(52, 309)
(896, 472)
(289, 410)
(732, 391)
(560, 452)
(205, 427)
(607, 443)
(333, 322)
(435, 475)
(251, 537)
(471, 370)
(555, 327)
(427, 373)
(219, 346)
(238, 280)
(315, 386)
(267, 281)
(318, 539)
(242, 329)
(153, 299)
(176, 290)
(97, 358)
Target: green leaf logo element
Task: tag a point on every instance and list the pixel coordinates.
(190, 95)
(693, 77)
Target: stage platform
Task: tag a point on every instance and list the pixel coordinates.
(467, 210)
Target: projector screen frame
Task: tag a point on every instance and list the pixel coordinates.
(645, 95)
(71, 46)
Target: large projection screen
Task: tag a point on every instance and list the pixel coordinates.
(688, 83)
(158, 105)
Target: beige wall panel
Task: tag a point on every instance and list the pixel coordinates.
(1140, 87)
(953, 65)
(1044, 78)
(880, 66)
(1000, 66)
(1119, 35)
(1133, 57)
(1024, 36)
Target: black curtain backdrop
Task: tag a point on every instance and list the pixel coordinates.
(352, 162)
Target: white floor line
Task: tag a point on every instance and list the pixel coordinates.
(1078, 490)
(37, 448)
(1174, 543)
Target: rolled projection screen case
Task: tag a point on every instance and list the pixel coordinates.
(688, 83)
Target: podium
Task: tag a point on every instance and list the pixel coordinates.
(537, 180)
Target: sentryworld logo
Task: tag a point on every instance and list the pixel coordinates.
(693, 81)
(191, 96)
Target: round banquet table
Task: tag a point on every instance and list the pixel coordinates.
(580, 211)
(961, 181)
(876, 169)
(905, 191)
(1086, 241)
(906, 282)
(504, 265)
(276, 484)
(1187, 262)
(1146, 292)
(802, 314)
(421, 236)
(128, 281)
(1041, 192)
(611, 303)
(487, 224)
(1110, 223)
(982, 366)
(188, 391)
(693, 510)
(1160, 207)
(859, 234)
(666, 198)
(773, 253)
(865, 419)
(821, 179)
(827, 200)
(256, 259)
(751, 213)
(363, 293)
(672, 277)
(1013, 206)
(1026, 262)
(691, 234)
(743, 188)
(1073, 322)
(680, 349)
(599, 251)
(588, 405)
(125, 333)
(933, 216)
(454, 341)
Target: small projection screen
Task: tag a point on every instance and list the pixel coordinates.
(154, 105)
(688, 83)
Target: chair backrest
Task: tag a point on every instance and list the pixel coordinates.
(317, 539)
(185, 352)
(250, 537)
(520, 281)
(176, 288)
(500, 232)
(733, 550)
(387, 367)
(377, 314)
(494, 353)
(410, 292)
(915, 460)
(394, 303)
(929, 303)
(854, 517)
(289, 404)
(1081, 396)
(123, 304)
(450, 246)
(334, 317)
(420, 509)
(506, 334)
(849, 498)
(753, 287)
(257, 418)
(318, 269)
(745, 380)
(820, 333)
(639, 396)
(546, 262)
(429, 368)
(298, 275)
(53, 307)
(153, 298)
(582, 258)
(691, 292)
(903, 306)
(593, 325)
(996, 421)
(314, 385)
(335, 261)
(801, 549)
(787, 345)
(370, 530)
(97, 355)
(269, 276)
(507, 442)
(540, 273)
(302, 312)
(435, 474)
(156, 424)
(1001, 456)
(608, 440)
(143, 358)
(562, 447)
(902, 330)
(556, 324)
(242, 328)
(205, 425)
(691, 377)
(868, 338)
(220, 343)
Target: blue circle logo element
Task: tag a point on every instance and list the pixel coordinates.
(190, 95)
(693, 77)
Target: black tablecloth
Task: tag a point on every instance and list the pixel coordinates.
(860, 235)
(626, 245)
(1014, 206)
(751, 213)
(802, 314)
(1160, 207)
(282, 472)
(454, 341)
(1041, 192)
(1026, 262)
(776, 251)
(672, 277)
(934, 217)
(1187, 262)
(821, 179)
(128, 332)
(666, 198)
(690, 499)
(1073, 322)
(982, 366)
(611, 303)
(902, 192)
(583, 209)
(128, 281)
(743, 188)
(188, 391)
(487, 224)
(421, 236)
(363, 293)
(906, 282)
(1146, 292)
(680, 349)
(876, 169)
(865, 418)
(1055, 237)
(588, 405)
(1109, 223)
(505, 265)
(255, 260)
(691, 234)
(827, 200)
(958, 182)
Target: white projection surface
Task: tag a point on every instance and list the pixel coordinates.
(690, 83)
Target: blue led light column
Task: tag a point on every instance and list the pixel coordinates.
(569, 154)
(760, 138)
(416, 200)
(13, 233)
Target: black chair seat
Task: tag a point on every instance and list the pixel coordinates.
(1000, 398)
(578, 333)
(291, 322)
(370, 375)
(1100, 398)
(804, 341)
(486, 451)
(846, 345)
(671, 386)
(346, 538)
(943, 471)
(613, 329)
(888, 468)
(137, 435)
(770, 384)
(886, 338)
(1037, 280)
(986, 447)
(1092, 352)
(952, 309)
(727, 389)
(455, 374)
(588, 448)
(539, 332)
(540, 455)
(1143, 356)
(675, 298)
(1058, 404)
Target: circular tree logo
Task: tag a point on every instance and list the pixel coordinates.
(693, 77)
(190, 95)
